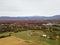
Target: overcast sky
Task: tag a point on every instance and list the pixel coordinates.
(29, 7)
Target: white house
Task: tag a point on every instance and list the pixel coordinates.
(44, 35)
(48, 24)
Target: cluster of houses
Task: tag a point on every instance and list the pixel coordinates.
(56, 37)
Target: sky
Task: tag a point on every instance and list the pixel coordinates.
(29, 7)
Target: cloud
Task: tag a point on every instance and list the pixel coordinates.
(29, 7)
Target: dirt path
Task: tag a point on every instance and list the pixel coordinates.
(16, 41)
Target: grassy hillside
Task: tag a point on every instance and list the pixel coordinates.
(35, 36)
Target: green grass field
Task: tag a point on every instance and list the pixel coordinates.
(34, 35)
(37, 38)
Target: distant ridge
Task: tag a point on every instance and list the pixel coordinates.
(57, 17)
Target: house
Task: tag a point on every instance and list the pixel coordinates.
(48, 24)
(44, 35)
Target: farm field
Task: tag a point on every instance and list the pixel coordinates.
(30, 35)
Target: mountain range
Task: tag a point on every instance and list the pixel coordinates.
(57, 17)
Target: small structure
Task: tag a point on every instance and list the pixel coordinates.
(48, 37)
(44, 35)
(48, 24)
